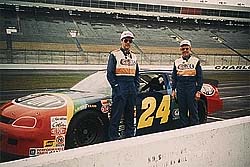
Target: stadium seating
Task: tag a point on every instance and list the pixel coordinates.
(46, 33)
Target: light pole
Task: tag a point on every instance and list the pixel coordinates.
(9, 31)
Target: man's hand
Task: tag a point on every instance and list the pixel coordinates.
(197, 95)
(173, 94)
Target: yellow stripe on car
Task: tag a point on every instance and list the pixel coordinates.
(70, 106)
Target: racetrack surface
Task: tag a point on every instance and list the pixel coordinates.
(234, 88)
(236, 97)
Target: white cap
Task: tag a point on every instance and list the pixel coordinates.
(125, 34)
(185, 42)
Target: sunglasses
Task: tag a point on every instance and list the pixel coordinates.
(184, 49)
(126, 41)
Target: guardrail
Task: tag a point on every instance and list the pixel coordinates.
(224, 143)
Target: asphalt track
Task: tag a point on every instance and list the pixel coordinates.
(235, 94)
(236, 98)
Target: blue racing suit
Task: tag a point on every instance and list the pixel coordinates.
(187, 80)
(123, 76)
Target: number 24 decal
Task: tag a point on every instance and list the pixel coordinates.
(149, 103)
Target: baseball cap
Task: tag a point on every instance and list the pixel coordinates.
(185, 42)
(125, 34)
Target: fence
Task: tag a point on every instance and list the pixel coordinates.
(78, 57)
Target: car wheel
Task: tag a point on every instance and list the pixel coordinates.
(202, 111)
(87, 127)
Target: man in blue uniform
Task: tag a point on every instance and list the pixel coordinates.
(123, 76)
(186, 84)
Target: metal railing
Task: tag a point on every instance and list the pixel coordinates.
(77, 57)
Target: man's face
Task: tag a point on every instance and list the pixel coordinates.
(185, 50)
(126, 43)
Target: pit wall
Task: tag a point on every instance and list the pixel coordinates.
(222, 143)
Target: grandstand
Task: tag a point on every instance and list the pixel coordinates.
(35, 33)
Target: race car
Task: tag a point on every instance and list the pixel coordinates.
(53, 121)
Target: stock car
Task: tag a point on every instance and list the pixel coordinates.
(48, 122)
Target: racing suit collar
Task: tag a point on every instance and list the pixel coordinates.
(125, 52)
(186, 57)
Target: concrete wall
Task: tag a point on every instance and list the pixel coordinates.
(217, 144)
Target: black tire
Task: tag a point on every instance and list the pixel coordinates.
(87, 127)
(202, 111)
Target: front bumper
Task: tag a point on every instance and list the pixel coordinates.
(18, 141)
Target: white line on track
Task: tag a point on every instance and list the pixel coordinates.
(234, 83)
(222, 119)
(234, 87)
(236, 110)
(234, 97)
(215, 118)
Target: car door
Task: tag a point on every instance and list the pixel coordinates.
(153, 104)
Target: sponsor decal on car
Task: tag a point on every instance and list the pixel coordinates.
(41, 151)
(58, 131)
(91, 106)
(58, 122)
(80, 107)
(60, 141)
(49, 143)
(207, 90)
(106, 106)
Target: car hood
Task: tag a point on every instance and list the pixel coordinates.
(53, 102)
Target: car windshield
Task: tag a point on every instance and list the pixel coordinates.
(96, 82)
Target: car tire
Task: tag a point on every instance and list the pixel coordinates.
(87, 127)
(202, 111)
